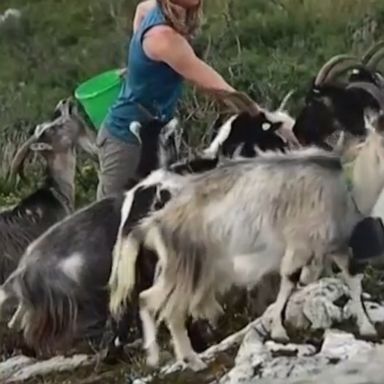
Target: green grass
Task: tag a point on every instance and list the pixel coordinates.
(264, 47)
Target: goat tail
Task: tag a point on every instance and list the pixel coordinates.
(123, 275)
(48, 309)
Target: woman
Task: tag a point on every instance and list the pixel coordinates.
(160, 59)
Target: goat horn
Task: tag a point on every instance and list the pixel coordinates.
(286, 99)
(375, 60)
(41, 128)
(18, 160)
(237, 101)
(370, 57)
(247, 103)
(370, 88)
(335, 66)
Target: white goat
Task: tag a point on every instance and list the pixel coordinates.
(231, 226)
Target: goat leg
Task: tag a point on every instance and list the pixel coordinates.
(182, 344)
(149, 325)
(16, 321)
(4, 297)
(366, 328)
(292, 263)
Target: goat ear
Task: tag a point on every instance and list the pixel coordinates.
(270, 126)
(379, 123)
(39, 147)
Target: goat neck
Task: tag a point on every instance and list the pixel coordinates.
(368, 172)
(61, 177)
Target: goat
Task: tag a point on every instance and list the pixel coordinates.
(65, 275)
(55, 141)
(230, 227)
(333, 107)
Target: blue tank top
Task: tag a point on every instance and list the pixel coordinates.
(149, 84)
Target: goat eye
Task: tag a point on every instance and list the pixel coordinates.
(266, 126)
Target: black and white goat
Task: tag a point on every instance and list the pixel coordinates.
(55, 141)
(332, 106)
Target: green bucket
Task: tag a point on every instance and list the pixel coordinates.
(97, 94)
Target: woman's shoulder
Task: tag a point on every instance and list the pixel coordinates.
(142, 11)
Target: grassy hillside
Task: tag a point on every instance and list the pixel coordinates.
(264, 47)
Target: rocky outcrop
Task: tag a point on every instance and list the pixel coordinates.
(20, 368)
(312, 314)
(323, 349)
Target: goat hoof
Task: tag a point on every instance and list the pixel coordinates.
(153, 356)
(195, 363)
(279, 335)
(368, 331)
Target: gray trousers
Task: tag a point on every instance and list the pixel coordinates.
(118, 163)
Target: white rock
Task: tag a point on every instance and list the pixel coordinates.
(375, 311)
(12, 365)
(249, 360)
(343, 345)
(22, 368)
(290, 349)
(314, 307)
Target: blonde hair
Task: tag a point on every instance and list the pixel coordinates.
(187, 27)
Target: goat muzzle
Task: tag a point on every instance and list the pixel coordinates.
(371, 89)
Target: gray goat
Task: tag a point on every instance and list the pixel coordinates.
(59, 283)
(231, 226)
(55, 141)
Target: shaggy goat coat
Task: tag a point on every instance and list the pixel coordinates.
(233, 224)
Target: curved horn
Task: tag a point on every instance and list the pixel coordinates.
(64, 107)
(372, 89)
(374, 54)
(21, 155)
(375, 60)
(335, 66)
(286, 99)
(237, 101)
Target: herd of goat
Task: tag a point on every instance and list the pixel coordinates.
(176, 240)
